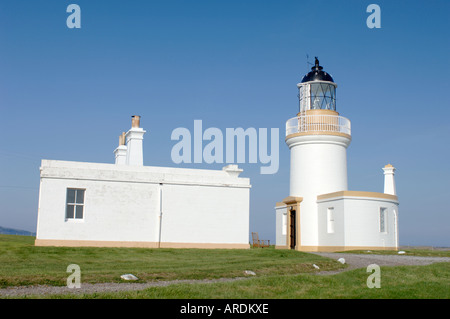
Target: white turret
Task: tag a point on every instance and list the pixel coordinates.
(389, 181)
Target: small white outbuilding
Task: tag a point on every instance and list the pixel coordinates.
(127, 204)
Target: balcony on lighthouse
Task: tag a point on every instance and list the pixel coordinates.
(317, 104)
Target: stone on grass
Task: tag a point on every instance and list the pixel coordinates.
(315, 266)
(249, 272)
(341, 260)
(129, 277)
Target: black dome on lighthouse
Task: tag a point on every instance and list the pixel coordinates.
(317, 74)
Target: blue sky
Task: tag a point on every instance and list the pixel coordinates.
(67, 94)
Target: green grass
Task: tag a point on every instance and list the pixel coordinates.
(21, 263)
(403, 282)
(281, 274)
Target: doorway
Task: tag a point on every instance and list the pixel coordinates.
(292, 230)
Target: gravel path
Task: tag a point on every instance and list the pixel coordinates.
(352, 260)
(100, 288)
(362, 261)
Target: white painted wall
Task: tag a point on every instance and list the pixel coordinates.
(280, 225)
(337, 238)
(112, 211)
(318, 166)
(357, 222)
(122, 203)
(205, 214)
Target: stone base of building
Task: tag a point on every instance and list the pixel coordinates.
(135, 244)
(336, 248)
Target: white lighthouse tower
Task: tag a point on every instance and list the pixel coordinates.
(318, 138)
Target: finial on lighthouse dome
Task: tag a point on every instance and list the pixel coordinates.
(317, 74)
(317, 90)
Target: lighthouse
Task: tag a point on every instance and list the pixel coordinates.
(315, 214)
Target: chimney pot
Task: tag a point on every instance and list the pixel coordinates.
(122, 139)
(135, 121)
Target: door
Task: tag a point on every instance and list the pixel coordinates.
(292, 230)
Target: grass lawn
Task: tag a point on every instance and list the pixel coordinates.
(403, 282)
(21, 263)
(284, 274)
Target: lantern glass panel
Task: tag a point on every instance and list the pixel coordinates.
(323, 96)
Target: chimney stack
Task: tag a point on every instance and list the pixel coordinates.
(133, 140)
(121, 151)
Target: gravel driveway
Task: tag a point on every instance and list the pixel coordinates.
(99, 288)
(362, 261)
(353, 261)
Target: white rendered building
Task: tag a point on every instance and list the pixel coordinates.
(127, 204)
(320, 213)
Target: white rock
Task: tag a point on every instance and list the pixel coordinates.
(249, 272)
(341, 260)
(315, 266)
(401, 252)
(129, 277)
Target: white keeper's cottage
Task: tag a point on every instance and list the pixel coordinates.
(127, 204)
(320, 213)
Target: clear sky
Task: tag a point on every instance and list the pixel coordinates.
(67, 94)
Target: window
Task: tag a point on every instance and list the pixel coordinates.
(330, 220)
(323, 96)
(74, 203)
(383, 220)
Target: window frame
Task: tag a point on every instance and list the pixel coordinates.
(284, 224)
(382, 220)
(330, 220)
(75, 205)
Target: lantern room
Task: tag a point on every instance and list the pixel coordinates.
(317, 91)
